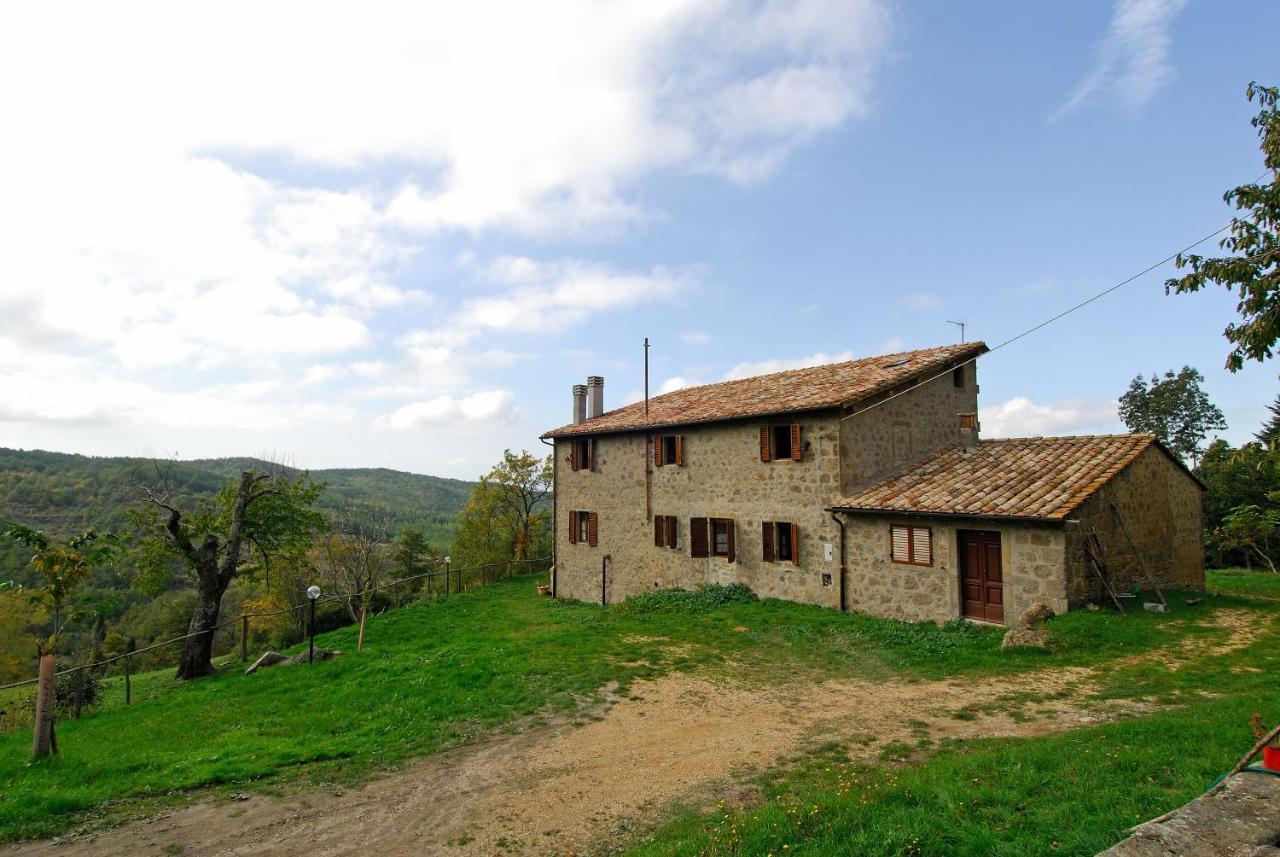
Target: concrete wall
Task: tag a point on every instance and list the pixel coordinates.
(1032, 562)
(904, 430)
(722, 477)
(1161, 506)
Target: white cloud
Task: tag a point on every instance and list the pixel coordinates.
(478, 407)
(1020, 416)
(765, 367)
(678, 383)
(695, 337)
(1133, 57)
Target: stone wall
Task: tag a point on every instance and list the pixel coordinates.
(722, 477)
(1160, 503)
(1031, 562)
(904, 430)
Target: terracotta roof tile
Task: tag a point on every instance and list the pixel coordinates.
(810, 389)
(1037, 478)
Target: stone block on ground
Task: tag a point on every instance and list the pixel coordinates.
(1034, 615)
(271, 659)
(1027, 638)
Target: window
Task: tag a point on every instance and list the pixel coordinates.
(780, 442)
(957, 377)
(780, 541)
(912, 545)
(668, 449)
(968, 421)
(712, 537)
(584, 528)
(666, 530)
(582, 453)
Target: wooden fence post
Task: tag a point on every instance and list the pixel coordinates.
(128, 670)
(43, 742)
(244, 637)
(78, 694)
(364, 609)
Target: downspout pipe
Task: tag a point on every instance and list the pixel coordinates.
(604, 590)
(843, 570)
(555, 526)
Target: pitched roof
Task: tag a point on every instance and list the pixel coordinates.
(810, 389)
(1039, 478)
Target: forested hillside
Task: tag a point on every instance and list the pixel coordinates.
(65, 493)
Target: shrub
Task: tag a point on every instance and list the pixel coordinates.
(701, 600)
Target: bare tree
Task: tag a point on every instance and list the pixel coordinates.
(355, 556)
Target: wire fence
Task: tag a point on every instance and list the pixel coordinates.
(81, 685)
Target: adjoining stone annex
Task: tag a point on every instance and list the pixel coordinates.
(862, 486)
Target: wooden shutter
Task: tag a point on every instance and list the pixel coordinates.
(657, 451)
(573, 528)
(679, 450)
(766, 539)
(795, 441)
(591, 453)
(592, 522)
(659, 531)
(900, 543)
(922, 545)
(573, 453)
(795, 544)
(764, 444)
(698, 544)
(733, 555)
(673, 531)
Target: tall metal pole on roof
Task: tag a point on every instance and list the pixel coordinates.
(959, 324)
(646, 379)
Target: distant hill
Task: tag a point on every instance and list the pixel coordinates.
(65, 493)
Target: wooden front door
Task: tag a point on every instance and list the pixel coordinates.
(981, 575)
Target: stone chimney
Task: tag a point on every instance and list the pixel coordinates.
(579, 403)
(968, 431)
(595, 396)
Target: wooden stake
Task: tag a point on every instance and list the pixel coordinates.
(43, 742)
(244, 637)
(128, 669)
(364, 611)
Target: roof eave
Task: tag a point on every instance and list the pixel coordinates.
(973, 516)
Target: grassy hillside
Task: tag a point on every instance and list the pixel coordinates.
(444, 673)
(66, 493)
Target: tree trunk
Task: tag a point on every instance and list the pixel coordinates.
(197, 651)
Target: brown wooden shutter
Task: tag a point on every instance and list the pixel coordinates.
(659, 531)
(764, 444)
(591, 453)
(795, 544)
(657, 451)
(698, 544)
(900, 543)
(679, 450)
(733, 555)
(592, 528)
(573, 453)
(766, 538)
(922, 545)
(673, 531)
(573, 528)
(795, 441)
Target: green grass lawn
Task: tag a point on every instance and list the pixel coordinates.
(1239, 581)
(437, 675)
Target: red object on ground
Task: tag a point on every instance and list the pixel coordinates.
(1271, 758)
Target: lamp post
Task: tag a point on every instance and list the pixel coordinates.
(313, 593)
(447, 559)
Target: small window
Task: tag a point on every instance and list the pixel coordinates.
(780, 541)
(911, 545)
(582, 453)
(969, 421)
(666, 531)
(668, 449)
(780, 442)
(584, 527)
(719, 537)
(957, 377)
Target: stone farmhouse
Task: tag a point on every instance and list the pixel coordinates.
(862, 486)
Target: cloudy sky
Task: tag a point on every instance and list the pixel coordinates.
(395, 235)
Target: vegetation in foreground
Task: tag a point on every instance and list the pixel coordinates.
(438, 674)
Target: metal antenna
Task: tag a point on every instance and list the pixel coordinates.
(959, 324)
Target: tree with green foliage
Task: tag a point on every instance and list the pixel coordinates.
(62, 567)
(1270, 431)
(255, 514)
(1253, 269)
(507, 515)
(1250, 529)
(1174, 409)
(413, 555)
